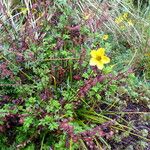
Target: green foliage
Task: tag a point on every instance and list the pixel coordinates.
(50, 97)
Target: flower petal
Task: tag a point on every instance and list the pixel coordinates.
(93, 53)
(100, 65)
(93, 62)
(105, 59)
(101, 52)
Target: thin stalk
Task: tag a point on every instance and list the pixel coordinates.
(132, 133)
(19, 69)
(42, 142)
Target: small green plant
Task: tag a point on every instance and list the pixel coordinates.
(69, 79)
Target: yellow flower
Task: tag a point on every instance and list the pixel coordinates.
(98, 58)
(125, 15)
(105, 36)
(130, 22)
(122, 27)
(119, 19)
(86, 17)
(23, 10)
(147, 54)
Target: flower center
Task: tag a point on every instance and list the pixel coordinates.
(99, 58)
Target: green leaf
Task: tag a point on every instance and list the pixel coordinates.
(85, 75)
